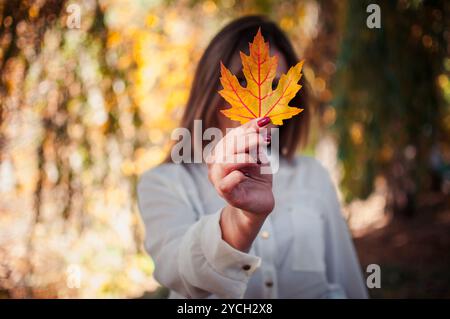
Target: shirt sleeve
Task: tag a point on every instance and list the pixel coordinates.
(190, 256)
(342, 264)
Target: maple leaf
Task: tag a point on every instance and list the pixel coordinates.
(258, 99)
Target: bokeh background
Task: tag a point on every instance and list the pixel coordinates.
(84, 111)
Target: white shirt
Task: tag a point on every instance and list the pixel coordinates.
(303, 250)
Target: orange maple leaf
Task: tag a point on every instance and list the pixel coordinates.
(258, 99)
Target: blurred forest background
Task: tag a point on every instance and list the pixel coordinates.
(84, 111)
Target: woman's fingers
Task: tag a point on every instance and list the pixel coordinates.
(230, 182)
(243, 167)
(239, 154)
(238, 162)
(254, 125)
(225, 166)
(244, 138)
(243, 143)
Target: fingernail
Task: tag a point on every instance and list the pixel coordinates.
(263, 122)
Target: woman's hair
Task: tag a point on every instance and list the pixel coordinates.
(204, 101)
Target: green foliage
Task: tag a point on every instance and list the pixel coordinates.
(389, 106)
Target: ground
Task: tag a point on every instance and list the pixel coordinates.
(413, 253)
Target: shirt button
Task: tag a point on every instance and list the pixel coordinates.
(265, 234)
(269, 284)
(246, 267)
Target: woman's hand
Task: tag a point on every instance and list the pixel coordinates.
(235, 169)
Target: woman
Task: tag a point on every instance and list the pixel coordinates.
(223, 229)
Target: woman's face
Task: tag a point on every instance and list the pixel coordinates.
(236, 68)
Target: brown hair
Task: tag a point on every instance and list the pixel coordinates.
(204, 101)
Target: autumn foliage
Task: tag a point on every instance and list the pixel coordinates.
(258, 99)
